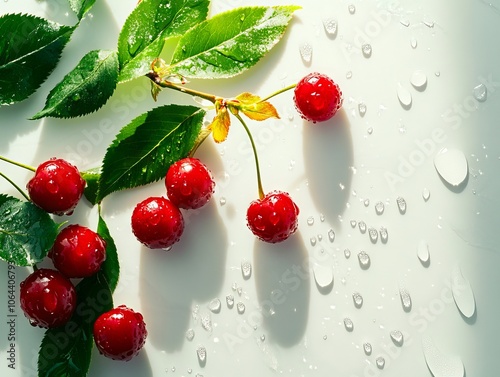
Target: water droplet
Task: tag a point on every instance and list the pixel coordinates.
(52, 187)
(357, 299)
(214, 305)
(222, 201)
(452, 166)
(439, 364)
(380, 361)
(480, 92)
(351, 8)
(366, 203)
(405, 299)
(347, 253)
(405, 22)
(384, 235)
(201, 352)
(331, 235)
(426, 194)
(369, 130)
(423, 252)
(323, 275)
(419, 80)
(462, 293)
(367, 347)
(246, 269)
(404, 96)
(190, 334)
(349, 326)
(348, 75)
(362, 109)
(230, 301)
(413, 43)
(353, 223)
(206, 321)
(367, 50)
(313, 241)
(397, 338)
(330, 25)
(310, 220)
(364, 259)
(306, 51)
(321, 217)
(240, 307)
(379, 208)
(76, 97)
(429, 23)
(362, 226)
(372, 232)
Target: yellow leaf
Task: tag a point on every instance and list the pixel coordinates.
(220, 125)
(253, 108)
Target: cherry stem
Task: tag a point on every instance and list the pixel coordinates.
(15, 186)
(17, 163)
(285, 89)
(256, 157)
(180, 88)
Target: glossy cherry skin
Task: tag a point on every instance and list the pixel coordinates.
(47, 298)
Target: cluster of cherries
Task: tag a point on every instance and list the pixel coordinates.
(48, 297)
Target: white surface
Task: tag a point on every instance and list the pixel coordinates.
(331, 170)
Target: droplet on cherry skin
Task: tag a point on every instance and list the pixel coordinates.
(52, 187)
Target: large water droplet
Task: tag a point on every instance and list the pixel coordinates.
(306, 51)
(401, 204)
(246, 269)
(480, 92)
(372, 232)
(364, 259)
(405, 299)
(348, 324)
(419, 80)
(201, 352)
(379, 208)
(423, 252)
(462, 293)
(452, 166)
(439, 364)
(351, 8)
(357, 299)
(397, 338)
(330, 25)
(323, 275)
(214, 305)
(367, 347)
(240, 307)
(380, 361)
(404, 97)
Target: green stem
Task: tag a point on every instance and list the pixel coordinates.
(252, 142)
(15, 186)
(180, 88)
(285, 89)
(28, 167)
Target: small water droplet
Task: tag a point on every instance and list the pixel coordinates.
(405, 299)
(384, 235)
(351, 8)
(428, 22)
(313, 241)
(405, 22)
(310, 220)
(426, 194)
(404, 96)
(452, 166)
(362, 109)
(52, 187)
(190, 334)
(362, 226)
(321, 217)
(423, 252)
(323, 275)
(372, 232)
(366, 202)
(401, 202)
(353, 223)
(330, 25)
(357, 299)
(348, 324)
(419, 80)
(379, 208)
(246, 269)
(364, 259)
(240, 307)
(348, 75)
(462, 293)
(222, 201)
(347, 253)
(201, 352)
(214, 305)
(230, 301)
(380, 361)
(439, 364)
(480, 92)
(76, 97)
(367, 50)
(306, 51)
(331, 235)
(367, 347)
(206, 321)
(397, 337)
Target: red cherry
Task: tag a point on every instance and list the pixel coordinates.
(273, 218)
(47, 298)
(317, 97)
(56, 187)
(120, 333)
(78, 251)
(189, 183)
(157, 223)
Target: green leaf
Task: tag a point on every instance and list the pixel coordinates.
(67, 350)
(145, 30)
(30, 48)
(230, 42)
(110, 269)
(91, 176)
(144, 149)
(26, 232)
(81, 7)
(85, 89)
